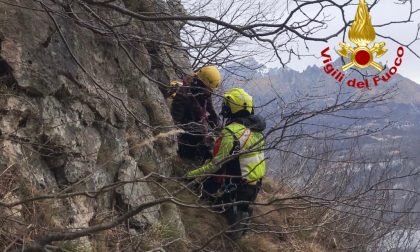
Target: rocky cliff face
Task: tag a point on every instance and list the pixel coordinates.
(77, 103)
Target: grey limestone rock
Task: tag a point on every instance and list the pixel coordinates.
(71, 120)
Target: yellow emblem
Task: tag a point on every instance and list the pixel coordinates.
(362, 34)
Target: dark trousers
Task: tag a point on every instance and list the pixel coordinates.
(193, 147)
(243, 192)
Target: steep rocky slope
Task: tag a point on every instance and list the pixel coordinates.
(75, 110)
(84, 125)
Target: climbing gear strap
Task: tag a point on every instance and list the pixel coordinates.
(240, 142)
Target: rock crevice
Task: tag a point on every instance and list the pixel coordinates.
(76, 126)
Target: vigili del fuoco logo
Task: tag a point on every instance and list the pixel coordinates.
(362, 54)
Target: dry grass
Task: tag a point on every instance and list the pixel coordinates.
(201, 224)
(23, 222)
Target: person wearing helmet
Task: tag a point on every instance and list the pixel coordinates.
(192, 110)
(238, 152)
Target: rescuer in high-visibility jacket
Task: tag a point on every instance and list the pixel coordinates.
(239, 151)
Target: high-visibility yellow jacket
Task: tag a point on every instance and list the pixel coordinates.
(241, 145)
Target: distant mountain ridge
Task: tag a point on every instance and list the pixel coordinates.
(313, 79)
(403, 109)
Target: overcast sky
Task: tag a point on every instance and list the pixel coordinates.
(386, 11)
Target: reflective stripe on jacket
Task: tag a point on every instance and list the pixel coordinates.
(251, 155)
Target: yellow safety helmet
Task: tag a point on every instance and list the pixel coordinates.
(210, 76)
(236, 100)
